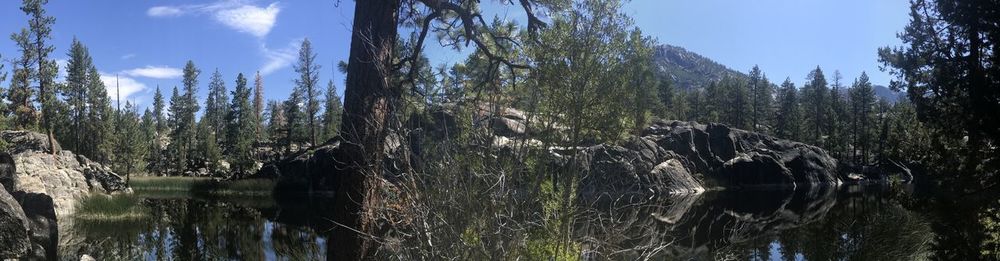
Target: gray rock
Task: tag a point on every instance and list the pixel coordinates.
(65, 177)
(14, 239)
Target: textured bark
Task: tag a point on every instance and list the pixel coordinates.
(368, 104)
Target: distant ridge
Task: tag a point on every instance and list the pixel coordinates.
(690, 71)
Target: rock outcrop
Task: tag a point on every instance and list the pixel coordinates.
(14, 240)
(65, 177)
(674, 157)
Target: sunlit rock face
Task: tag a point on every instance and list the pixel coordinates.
(674, 157)
(65, 176)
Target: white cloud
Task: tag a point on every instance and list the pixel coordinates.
(250, 19)
(128, 86)
(235, 14)
(162, 11)
(280, 58)
(128, 56)
(157, 72)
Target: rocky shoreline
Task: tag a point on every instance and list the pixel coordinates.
(39, 187)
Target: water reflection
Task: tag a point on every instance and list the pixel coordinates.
(847, 223)
(197, 229)
(819, 224)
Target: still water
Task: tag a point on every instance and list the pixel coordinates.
(848, 223)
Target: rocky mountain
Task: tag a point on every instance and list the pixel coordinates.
(689, 70)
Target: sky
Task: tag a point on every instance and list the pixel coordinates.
(144, 44)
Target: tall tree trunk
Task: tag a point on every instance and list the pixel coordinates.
(368, 105)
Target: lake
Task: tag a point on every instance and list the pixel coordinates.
(847, 223)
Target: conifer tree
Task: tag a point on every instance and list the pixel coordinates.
(815, 106)
(39, 32)
(20, 93)
(75, 93)
(276, 122)
(307, 83)
(217, 106)
(183, 110)
(99, 125)
(862, 108)
(334, 109)
(788, 120)
(838, 118)
(157, 126)
(258, 105)
(242, 131)
(177, 149)
(295, 122)
(131, 148)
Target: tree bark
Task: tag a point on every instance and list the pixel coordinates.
(368, 106)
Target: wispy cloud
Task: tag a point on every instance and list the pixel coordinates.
(128, 56)
(162, 11)
(127, 85)
(277, 59)
(157, 72)
(235, 14)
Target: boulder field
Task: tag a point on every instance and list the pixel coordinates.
(667, 158)
(675, 157)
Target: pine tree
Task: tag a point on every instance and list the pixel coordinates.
(838, 118)
(276, 122)
(184, 109)
(296, 123)
(668, 99)
(158, 107)
(75, 93)
(150, 143)
(40, 30)
(242, 131)
(20, 92)
(177, 149)
(334, 109)
(216, 106)
(258, 105)
(755, 83)
(788, 120)
(206, 152)
(99, 125)
(157, 128)
(862, 108)
(131, 149)
(815, 105)
(308, 82)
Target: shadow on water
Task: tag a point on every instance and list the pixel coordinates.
(847, 223)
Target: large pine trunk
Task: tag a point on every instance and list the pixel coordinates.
(368, 106)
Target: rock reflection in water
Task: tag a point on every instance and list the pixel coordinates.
(817, 224)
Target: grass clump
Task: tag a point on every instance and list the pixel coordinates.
(209, 186)
(110, 207)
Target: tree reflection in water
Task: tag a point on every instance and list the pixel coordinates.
(848, 223)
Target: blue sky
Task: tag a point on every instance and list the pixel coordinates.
(146, 43)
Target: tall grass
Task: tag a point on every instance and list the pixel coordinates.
(110, 207)
(251, 187)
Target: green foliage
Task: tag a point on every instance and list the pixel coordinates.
(589, 65)
(814, 107)
(944, 64)
(242, 129)
(308, 86)
(788, 121)
(333, 111)
(217, 107)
